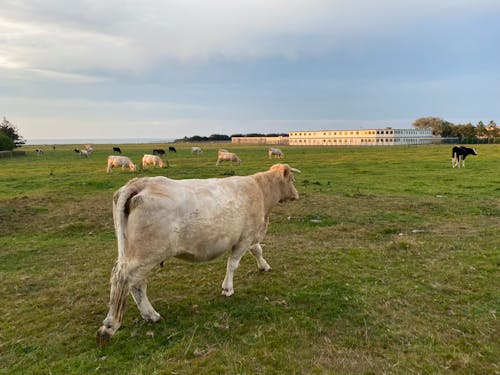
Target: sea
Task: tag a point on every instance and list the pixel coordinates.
(80, 141)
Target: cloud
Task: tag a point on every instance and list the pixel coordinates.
(134, 36)
(221, 65)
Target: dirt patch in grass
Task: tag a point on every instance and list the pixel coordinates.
(54, 213)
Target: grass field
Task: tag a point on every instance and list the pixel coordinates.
(388, 263)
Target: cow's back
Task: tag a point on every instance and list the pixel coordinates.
(195, 219)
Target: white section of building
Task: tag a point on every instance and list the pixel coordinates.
(280, 140)
(362, 137)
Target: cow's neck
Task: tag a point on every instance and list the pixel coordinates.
(270, 187)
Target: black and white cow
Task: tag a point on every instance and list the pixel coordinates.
(117, 149)
(459, 153)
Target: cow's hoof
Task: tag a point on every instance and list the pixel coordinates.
(154, 318)
(103, 336)
(227, 292)
(265, 269)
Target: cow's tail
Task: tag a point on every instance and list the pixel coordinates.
(121, 211)
(120, 280)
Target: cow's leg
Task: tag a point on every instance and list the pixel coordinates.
(232, 264)
(117, 304)
(256, 250)
(140, 296)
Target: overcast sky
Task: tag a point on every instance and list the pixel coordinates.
(174, 68)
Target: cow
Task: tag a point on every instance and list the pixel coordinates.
(39, 152)
(156, 218)
(459, 153)
(172, 149)
(158, 151)
(120, 161)
(83, 153)
(117, 150)
(196, 150)
(223, 155)
(154, 160)
(89, 149)
(276, 152)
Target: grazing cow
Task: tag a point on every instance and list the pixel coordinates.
(83, 153)
(196, 220)
(196, 150)
(154, 160)
(39, 152)
(172, 149)
(459, 153)
(276, 152)
(120, 161)
(158, 151)
(223, 155)
(89, 149)
(117, 149)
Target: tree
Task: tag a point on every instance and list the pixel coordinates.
(9, 130)
(481, 130)
(218, 137)
(435, 123)
(468, 132)
(6, 143)
(493, 131)
(448, 130)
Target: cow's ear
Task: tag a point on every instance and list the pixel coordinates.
(286, 171)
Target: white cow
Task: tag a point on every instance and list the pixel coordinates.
(196, 150)
(223, 155)
(84, 153)
(196, 220)
(154, 160)
(276, 152)
(120, 161)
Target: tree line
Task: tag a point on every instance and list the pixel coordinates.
(223, 137)
(466, 133)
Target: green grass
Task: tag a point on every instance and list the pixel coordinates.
(388, 263)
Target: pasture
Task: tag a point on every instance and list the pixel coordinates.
(388, 263)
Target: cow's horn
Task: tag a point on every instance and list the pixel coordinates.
(295, 170)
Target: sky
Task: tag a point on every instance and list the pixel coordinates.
(175, 68)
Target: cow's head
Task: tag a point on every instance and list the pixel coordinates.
(474, 152)
(285, 172)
